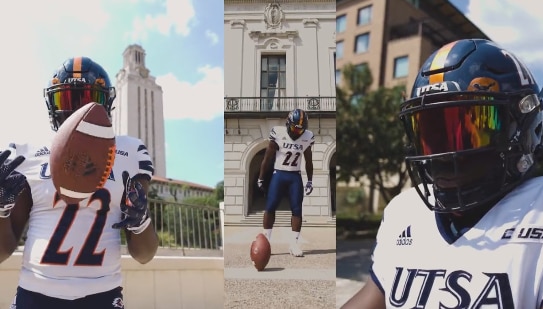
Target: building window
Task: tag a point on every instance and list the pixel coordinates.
(364, 16)
(362, 43)
(146, 118)
(401, 66)
(341, 23)
(339, 49)
(272, 80)
(153, 125)
(139, 112)
(338, 77)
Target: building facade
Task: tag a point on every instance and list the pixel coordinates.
(393, 38)
(178, 190)
(279, 55)
(138, 107)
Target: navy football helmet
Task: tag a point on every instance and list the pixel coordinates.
(78, 81)
(473, 123)
(297, 122)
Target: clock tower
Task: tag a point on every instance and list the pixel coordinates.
(138, 108)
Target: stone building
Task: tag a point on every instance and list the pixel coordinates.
(278, 57)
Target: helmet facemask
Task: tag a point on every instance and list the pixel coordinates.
(295, 131)
(470, 147)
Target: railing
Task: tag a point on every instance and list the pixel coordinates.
(259, 104)
(182, 226)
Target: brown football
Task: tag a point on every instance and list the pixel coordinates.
(82, 153)
(260, 252)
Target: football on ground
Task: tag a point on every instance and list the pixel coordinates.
(260, 252)
(82, 153)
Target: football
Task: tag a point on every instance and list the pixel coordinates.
(82, 153)
(260, 252)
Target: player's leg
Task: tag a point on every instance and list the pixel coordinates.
(25, 299)
(112, 299)
(273, 199)
(296, 196)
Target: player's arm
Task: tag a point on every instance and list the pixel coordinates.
(143, 246)
(308, 156)
(12, 227)
(268, 157)
(370, 296)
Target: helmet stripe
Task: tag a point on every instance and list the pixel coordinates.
(439, 62)
(77, 67)
(301, 117)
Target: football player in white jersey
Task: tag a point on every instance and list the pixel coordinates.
(287, 145)
(469, 234)
(72, 253)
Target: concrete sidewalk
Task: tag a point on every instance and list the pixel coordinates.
(287, 281)
(352, 267)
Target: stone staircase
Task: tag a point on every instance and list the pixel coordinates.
(282, 218)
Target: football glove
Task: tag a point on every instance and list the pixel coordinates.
(260, 184)
(308, 187)
(11, 182)
(135, 214)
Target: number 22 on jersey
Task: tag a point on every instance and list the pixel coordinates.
(288, 155)
(87, 255)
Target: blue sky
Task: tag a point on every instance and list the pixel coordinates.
(183, 40)
(514, 24)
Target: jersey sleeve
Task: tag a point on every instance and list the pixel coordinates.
(144, 160)
(312, 139)
(273, 135)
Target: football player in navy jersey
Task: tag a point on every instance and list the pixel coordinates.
(469, 234)
(72, 253)
(287, 145)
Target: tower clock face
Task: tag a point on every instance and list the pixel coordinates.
(143, 72)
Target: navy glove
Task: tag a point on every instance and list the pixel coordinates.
(135, 217)
(308, 187)
(11, 182)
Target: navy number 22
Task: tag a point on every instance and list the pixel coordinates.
(87, 255)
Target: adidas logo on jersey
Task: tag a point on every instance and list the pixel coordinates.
(42, 152)
(404, 239)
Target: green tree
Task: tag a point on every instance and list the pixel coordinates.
(368, 123)
(219, 191)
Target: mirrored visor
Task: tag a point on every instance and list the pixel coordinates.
(71, 97)
(456, 128)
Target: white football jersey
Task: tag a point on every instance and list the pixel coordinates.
(290, 153)
(71, 250)
(498, 263)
